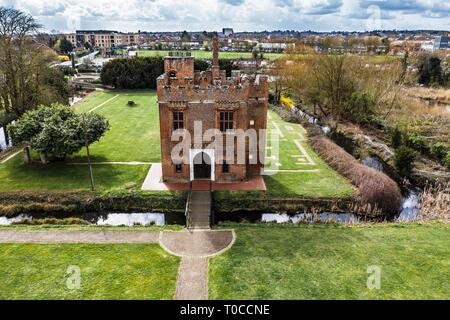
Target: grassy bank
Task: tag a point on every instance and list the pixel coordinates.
(120, 271)
(73, 204)
(330, 262)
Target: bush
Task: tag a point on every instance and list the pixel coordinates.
(446, 161)
(379, 194)
(416, 142)
(201, 65)
(57, 130)
(396, 137)
(403, 159)
(133, 73)
(131, 103)
(73, 204)
(439, 151)
(360, 108)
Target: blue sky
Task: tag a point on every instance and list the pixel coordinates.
(242, 15)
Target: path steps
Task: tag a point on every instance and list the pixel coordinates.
(199, 212)
(192, 280)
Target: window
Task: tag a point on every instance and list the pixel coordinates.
(225, 167)
(178, 168)
(178, 120)
(226, 120)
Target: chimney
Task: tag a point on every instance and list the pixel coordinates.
(215, 62)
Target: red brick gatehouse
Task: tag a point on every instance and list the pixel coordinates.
(219, 102)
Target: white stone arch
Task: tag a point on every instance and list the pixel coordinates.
(193, 153)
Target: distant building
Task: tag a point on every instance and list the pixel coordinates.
(227, 32)
(441, 43)
(102, 39)
(427, 46)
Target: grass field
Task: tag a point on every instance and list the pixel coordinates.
(208, 54)
(119, 271)
(331, 262)
(134, 136)
(134, 133)
(300, 171)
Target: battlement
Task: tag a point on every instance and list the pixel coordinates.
(231, 89)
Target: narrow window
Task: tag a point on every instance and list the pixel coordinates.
(178, 120)
(225, 167)
(226, 120)
(178, 168)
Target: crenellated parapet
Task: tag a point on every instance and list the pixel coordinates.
(231, 89)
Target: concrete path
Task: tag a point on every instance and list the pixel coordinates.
(194, 248)
(197, 243)
(192, 280)
(25, 236)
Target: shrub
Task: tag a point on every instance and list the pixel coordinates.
(416, 142)
(131, 103)
(133, 73)
(379, 194)
(439, 151)
(360, 107)
(447, 160)
(403, 159)
(396, 137)
(57, 130)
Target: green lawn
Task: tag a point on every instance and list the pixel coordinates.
(134, 133)
(314, 177)
(330, 262)
(16, 176)
(119, 271)
(208, 54)
(134, 136)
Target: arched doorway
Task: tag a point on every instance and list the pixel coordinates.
(202, 166)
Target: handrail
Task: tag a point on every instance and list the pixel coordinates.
(188, 207)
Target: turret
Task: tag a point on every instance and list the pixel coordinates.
(215, 68)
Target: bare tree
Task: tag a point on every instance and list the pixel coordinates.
(24, 64)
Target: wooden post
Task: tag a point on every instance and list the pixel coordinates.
(26, 155)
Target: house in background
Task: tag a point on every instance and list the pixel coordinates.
(218, 102)
(442, 43)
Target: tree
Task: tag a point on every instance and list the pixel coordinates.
(185, 37)
(134, 73)
(430, 70)
(65, 46)
(24, 64)
(57, 130)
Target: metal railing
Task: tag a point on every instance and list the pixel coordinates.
(187, 211)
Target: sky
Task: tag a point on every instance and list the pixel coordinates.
(241, 15)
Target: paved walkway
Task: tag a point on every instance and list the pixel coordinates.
(25, 236)
(194, 248)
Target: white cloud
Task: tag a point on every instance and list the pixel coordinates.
(174, 15)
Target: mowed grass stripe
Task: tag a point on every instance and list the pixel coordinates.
(331, 262)
(119, 271)
(134, 133)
